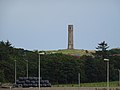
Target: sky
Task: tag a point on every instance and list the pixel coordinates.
(43, 24)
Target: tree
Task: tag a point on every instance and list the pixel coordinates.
(103, 46)
(102, 49)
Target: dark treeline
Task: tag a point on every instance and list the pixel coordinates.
(58, 68)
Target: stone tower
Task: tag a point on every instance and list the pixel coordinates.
(70, 37)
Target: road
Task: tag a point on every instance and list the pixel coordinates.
(49, 88)
(63, 88)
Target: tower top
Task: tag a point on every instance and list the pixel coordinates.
(70, 27)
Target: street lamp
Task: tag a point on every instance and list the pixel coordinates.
(119, 76)
(78, 81)
(39, 68)
(27, 67)
(15, 71)
(107, 60)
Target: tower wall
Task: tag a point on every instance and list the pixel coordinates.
(70, 37)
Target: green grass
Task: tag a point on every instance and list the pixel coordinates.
(99, 84)
(78, 52)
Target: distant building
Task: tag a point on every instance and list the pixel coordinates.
(70, 37)
(115, 55)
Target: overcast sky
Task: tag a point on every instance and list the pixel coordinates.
(42, 24)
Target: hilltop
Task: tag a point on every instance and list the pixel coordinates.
(76, 52)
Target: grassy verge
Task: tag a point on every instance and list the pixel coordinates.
(99, 84)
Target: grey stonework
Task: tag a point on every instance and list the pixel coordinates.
(70, 37)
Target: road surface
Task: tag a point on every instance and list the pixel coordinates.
(63, 88)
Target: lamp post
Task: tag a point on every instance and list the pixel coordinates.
(119, 76)
(27, 67)
(15, 71)
(39, 68)
(107, 60)
(78, 81)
